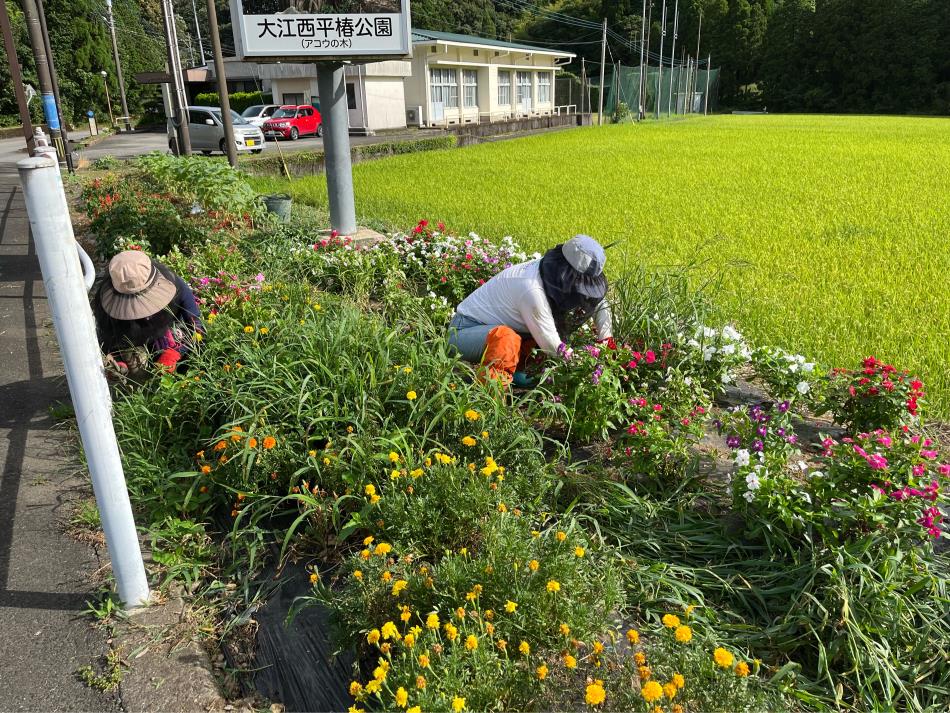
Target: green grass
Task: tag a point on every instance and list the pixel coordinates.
(830, 231)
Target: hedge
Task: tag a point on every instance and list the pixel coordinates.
(239, 100)
(306, 163)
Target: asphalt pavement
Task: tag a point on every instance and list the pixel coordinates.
(46, 577)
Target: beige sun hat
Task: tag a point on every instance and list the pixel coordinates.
(136, 287)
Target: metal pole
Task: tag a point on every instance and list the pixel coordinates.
(643, 30)
(659, 77)
(699, 35)
(676, 28)
(75, 330)
(331, 84)
(41, 11)
(222, 85)
(583, 83)
(603, 58)
(201, 45)
(646, 85)
(180, 119)
(16, 76)
(50, 110)
(706, 95)
(105, 81)
(118, 69)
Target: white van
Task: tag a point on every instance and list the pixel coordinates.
(207, 131)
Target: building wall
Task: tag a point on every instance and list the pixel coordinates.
(294, 85)
(385, 102)
(486, 62)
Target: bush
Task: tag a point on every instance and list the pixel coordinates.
(239, 100)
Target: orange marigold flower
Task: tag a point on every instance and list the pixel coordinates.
(722, 658)
(269, 442)
(220, 445)
(742, 669)
(252, 443)
(206, 469)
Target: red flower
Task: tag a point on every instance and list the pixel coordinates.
(651, 357)
(870, 362)
(441, 227)
(916, 385)
(423, 223)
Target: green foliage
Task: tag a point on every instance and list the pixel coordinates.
(239, 100)
(109, 679)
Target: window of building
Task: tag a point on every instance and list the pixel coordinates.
(544, 88)
(445, 87)
(350, 95)
(504, 88)
(524, 88)
(293, 98)
(470, 87)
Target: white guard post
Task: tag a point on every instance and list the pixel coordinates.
(75, 330)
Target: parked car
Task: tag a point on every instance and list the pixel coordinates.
(207, 131)
(292, 122)
(259, 113)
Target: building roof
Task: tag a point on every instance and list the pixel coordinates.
(424, 36)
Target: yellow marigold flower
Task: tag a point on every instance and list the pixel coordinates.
(312, 454)
(374, 686)
(406, 615)
(560, 536)
(669, 690)
(393, 457)
(451, 633)
(472, 415)
(485, 435)
(248, 329)
(689, 609)
(398, 586)
(651, 691)
(489, 614)
(489, 628)
(678, 680)
(535, 533)
(639, 658)
(579, 552)
(595, 694)
(355, 688)
(383, 548)
(416, 472)
(432, 621)
(471, 642)
(314, 578)
(742, 669)
(569, 661)
(317, 307)
(407, 370)
(510, 606)
(263, 330)
(373, 499)
(386, 576)
(502, 507)
(533, 565)
(409, 640)
(554, 586)
(373, 636)
(633, 636)
(542, 672)
(394, 474)
(671, 621)
(501, 644)
(368, 540)
(411, 395)
(369, 489)
(414, 709)
(598, 647)
(365, 554)
(421, 682)
(379, 673)
(424, 660)
(684, 634)
(428, 462)
(389, 631)
(565, 630)
(677, 708)
(722, 658)
(468, 441)
(326, 461)
(645, 673)
(458, 704)
(354, 709)
(402, 697)
(524, 647)
(460, 611)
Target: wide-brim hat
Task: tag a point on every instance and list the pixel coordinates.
(138, 287)
(585, 255)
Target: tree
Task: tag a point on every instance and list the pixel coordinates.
(788, 65)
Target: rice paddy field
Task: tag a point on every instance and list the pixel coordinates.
(828, 235)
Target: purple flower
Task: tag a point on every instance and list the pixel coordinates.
(733, 441)
(595, 377)
(757, 446)
(780, 431)
(783, 407)
(259, 277)
(763, 431)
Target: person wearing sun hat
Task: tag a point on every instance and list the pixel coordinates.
(536, 303)
(143, 304)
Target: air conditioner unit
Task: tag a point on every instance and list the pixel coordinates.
(414, 116)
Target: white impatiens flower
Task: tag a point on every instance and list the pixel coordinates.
(802, 466)
(808, 367)
(792, 368)
(728, 349)
(708, 353)
(742, 457)
(749, 495)
(803, 387)
(727, 378)
(752, 481)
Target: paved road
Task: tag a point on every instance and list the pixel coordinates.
(45, 577)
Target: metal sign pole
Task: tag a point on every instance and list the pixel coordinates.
(331, 84)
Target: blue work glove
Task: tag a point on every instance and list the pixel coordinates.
(523, 381)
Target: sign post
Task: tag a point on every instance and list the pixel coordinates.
(330, 33)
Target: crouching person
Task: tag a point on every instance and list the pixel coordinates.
(145, 313)
(536, 303)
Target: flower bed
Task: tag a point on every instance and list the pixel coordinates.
(466, 557)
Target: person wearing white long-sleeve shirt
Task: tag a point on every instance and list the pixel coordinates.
(540, 300)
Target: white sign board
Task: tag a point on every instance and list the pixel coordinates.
(321, 29)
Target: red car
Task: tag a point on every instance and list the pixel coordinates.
(292, 122)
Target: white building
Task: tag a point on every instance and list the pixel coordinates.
(463, 79)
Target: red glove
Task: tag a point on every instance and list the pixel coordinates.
(168, 359)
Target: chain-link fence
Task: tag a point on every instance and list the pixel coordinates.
(680, 90)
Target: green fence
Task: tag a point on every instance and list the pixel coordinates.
(680, 91)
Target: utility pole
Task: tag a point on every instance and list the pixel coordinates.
(222, 85)
(659, 77)
(706, 95)
(643, 29)
(55, 83)
(105, 81)
(583, 83)
(676, 28)
(603, 59)
(699, 36)
(646, 81)
(180, 120)
(118, 69)
(201, 45)
(688, 100)
(16, 76)
(50, 110)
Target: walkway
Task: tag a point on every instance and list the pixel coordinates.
(45, 577)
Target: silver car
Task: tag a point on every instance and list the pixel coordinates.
(207, 131)
(259, 113)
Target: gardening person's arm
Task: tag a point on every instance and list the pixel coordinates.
(536, 314)
(603, 321)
